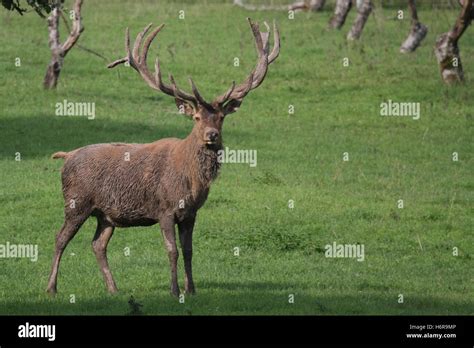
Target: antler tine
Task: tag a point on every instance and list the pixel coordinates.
(225, 97)
(265, 36)
(178, 93)
(131, 58)
(229, 92)
(173, 86)
(148, 42)
(170, 90)
(266, 25)
(139, 63)
(127, 52)
(198, 95)
(158, 80)
(117, 62)
(260, 69)
(276, 44)
(137, 58)
(264, 59)
(138, 43)
(248, 83)
(237, 102)
(258, 38)
(244, 88)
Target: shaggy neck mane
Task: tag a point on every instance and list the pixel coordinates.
(200, 160)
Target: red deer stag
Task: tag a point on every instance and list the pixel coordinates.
(165, 182)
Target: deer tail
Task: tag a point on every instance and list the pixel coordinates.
(59, 154)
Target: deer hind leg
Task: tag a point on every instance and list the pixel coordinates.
(169, 236)
(99, 244)
(71, 225)
(186, 239)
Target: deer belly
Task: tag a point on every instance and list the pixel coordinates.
(127, 222)
(124, 219)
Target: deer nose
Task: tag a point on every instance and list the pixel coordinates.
(212, 134)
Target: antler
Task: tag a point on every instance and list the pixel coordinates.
(138, 61)
(138, 55)
(256, 77)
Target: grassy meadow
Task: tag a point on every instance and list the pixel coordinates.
(408, 251)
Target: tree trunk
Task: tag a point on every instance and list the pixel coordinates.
(363, 13)
(461, 2)
(417, 33)
(307, 5)
(316, 5)
(447, 50)
(340, 13)
(302, 5)
(58, 50)
(52, 73)
(54, 67)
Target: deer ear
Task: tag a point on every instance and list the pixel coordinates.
(184, 108)
(232, 106)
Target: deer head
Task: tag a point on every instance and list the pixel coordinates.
(208, 116)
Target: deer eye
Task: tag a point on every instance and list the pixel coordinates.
(197, 118)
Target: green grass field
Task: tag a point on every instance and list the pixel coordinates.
(408, 251)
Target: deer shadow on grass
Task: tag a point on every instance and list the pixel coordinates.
(258, 286)
(41, 136)
(263, 302)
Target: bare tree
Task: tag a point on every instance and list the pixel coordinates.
(447, 49)
(363, 12)
(417, 33)
(58, 50)
(308, 5)
(165, 182)
(341, 10)
(248, 7)
(305, 5)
